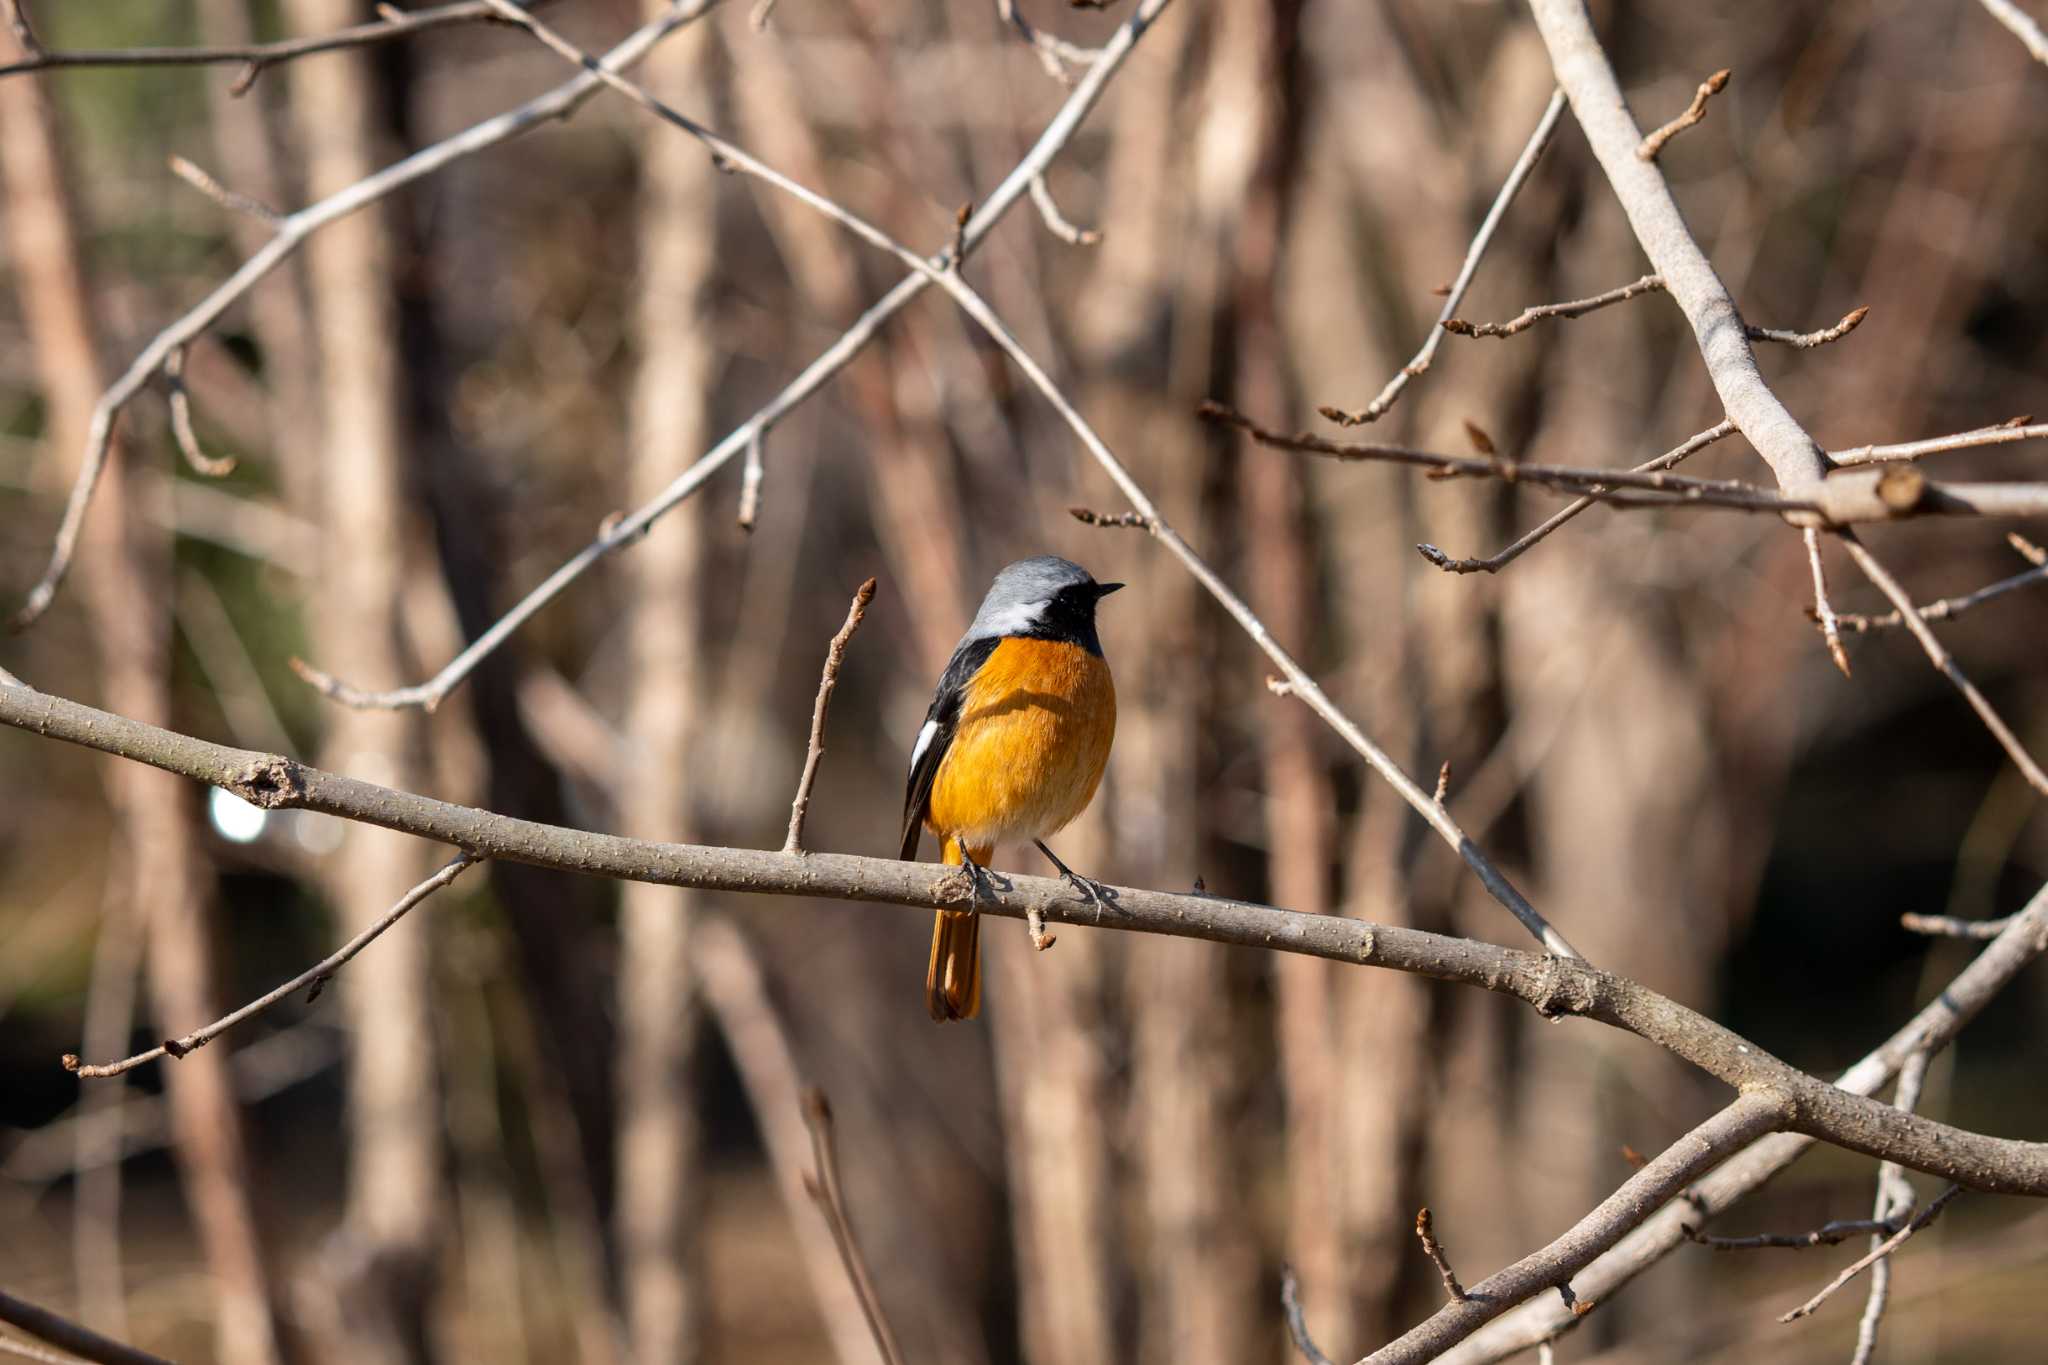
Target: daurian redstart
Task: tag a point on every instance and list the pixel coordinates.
(1013, 746)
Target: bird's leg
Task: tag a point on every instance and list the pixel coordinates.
(1089, 888)
(978, 878)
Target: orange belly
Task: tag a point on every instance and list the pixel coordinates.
(1030, 746)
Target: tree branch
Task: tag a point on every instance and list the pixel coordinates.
(315, 977)
(1589, 82)
(625, 530)
(292, 233)
(1554, 986)
(835, 656)
(1481, 240)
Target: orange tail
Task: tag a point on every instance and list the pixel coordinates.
(952, 983)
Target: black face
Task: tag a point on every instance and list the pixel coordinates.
(1071, 615)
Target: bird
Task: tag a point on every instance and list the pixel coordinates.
(1013, 747)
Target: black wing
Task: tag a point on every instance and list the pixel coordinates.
(937, 735)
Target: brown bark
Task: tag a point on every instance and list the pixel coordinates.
(658, 1198)
(126, 573)
(388, 1250)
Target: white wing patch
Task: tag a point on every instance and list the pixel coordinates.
(1014, 619)
(924, 741)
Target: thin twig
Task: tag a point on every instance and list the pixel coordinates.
(1947, 926)
(314, 977)
(1495, 563)
(1532, 151)
(258, 55)
(2022, 26)
(1055, 54)
(1297, 1321)
(1824, 610)
(1055, 137)
(823, 1187)
(835, 656)
(1948, 608)
(1650, 146)
(1055, 221)
(292, 233)
(1571, 308)
(81, 1341)
(1089, 517)
(1894, 1200)
(2017, 429)
(1435, 1251)
(181, 422)
(1806, 341)
(232, 200)
(1945, 662)
(1826, 1235)
(1877, 1253)
(1620, 487)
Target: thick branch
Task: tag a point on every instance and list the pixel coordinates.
(1589, 82)
(1553, 986)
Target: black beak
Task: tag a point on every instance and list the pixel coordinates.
(1105, 589)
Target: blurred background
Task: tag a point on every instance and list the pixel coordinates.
(548, 1118)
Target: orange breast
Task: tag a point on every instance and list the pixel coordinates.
(1031, 743)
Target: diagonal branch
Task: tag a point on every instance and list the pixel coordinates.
(314, 977)
(1481, 240)
(1589, 82)
(625, 530)
(80, 1341)
(2022, 26)
(1933, 1028)
(1553, 986)
(292, 233)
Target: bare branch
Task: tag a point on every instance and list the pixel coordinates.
(1660, 1180)
(1826, 1235)
(1481, 240)
(1497, 562)
(1882, 1250)
(1949, 927)
(2018, 429)
(181, 422)
(257, 56)
(2023, 27)
(823, 1187)
(1806, 341)
(1297, 1321)
(1571, 308)
(1588, 80)
(1555, 986)
(314, 977)
(1089, 517)
(80, 1341)
(220, 194)
(1931, 1029)
(1894, 1201)
(1055, 54)
(835, 656)
(1824, 610)
(1945, 663)
(292, 234)
(1435, 1251)
(1649, 147)
(1055, 221)
(1948, 608)
(627, 529)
